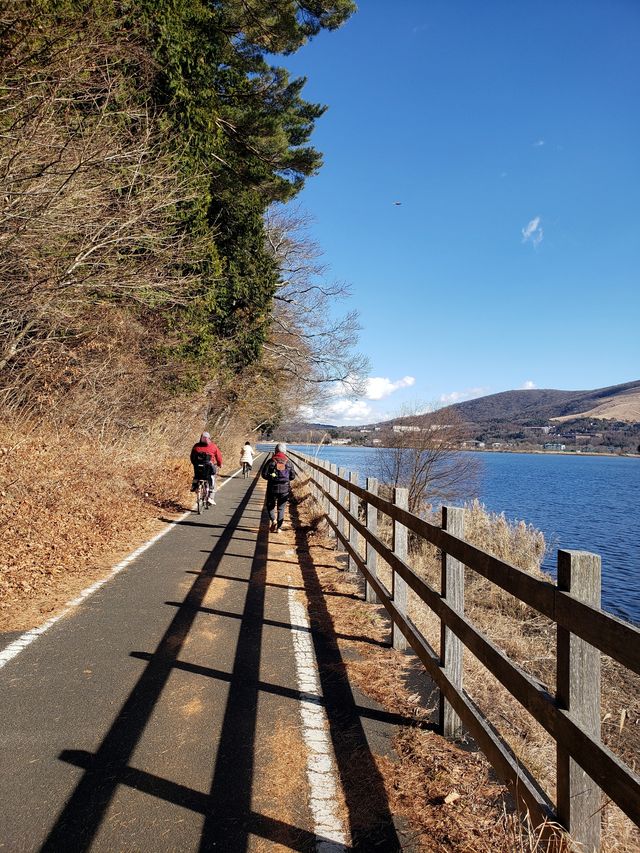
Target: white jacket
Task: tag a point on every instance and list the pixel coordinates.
(247, 454)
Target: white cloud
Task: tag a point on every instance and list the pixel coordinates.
(538, 143)
(350, 410)
(453, 397)
(379, 387)
(342, 411)
(458, 396)
(533, 232)
(343, 407)
(528, 385)
(306, 413)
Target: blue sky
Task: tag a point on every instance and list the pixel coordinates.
(510, 133)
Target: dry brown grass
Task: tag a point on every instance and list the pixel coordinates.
(530, 640)
(447, 795)
(72, 504)
(527, 638)
(276, 791)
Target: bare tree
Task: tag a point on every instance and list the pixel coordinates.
(88, 240)
(422, 452)
(308, 343)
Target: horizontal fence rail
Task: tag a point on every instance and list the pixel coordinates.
(585, 766)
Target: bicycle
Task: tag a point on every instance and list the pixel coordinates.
(246, 469)
(202, 495)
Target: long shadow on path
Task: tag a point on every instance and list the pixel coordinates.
(228, 818)
(370, 820)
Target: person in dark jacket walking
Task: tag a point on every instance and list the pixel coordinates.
(278, 472)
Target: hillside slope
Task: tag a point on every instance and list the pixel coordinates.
(538, 406)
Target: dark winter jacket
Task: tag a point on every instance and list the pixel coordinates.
(278, 472)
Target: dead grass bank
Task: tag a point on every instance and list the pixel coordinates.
(72, 505)
(529, 639)
(448, 794)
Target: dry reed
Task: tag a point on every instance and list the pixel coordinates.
(529, 639)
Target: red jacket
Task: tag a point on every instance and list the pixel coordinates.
(210, 448)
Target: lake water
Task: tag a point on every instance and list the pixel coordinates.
(586, 503)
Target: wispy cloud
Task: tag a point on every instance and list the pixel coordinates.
(539, 143)
(379, 387)
(533, 232)
(458, 396)
(528, 385)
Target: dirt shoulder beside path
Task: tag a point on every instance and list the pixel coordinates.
(443, 794)
(53, 549)
(70, 509)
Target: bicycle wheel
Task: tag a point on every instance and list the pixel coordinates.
(199, 497)
(205, 495)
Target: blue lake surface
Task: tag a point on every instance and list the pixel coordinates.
(586, 503)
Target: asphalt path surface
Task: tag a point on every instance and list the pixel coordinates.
(131, 724)
(138, 721)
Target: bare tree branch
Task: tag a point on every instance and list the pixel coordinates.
(308, 342)
(422, 453)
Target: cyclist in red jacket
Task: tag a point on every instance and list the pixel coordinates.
(205, 455)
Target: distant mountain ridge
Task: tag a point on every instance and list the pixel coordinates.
(537, 405)
(523, 408)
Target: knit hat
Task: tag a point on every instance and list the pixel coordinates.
(281, 447)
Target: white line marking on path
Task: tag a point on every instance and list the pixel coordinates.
(328, 827)
(14, 648)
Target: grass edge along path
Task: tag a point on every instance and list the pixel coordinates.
(444, 794)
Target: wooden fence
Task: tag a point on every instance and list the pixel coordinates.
(586, 768)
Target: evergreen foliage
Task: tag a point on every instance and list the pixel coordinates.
(185, 117)
(243, 130)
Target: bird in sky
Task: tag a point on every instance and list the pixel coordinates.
(397, 203)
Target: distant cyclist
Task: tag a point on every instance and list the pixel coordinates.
(206, 459)
(246, 458)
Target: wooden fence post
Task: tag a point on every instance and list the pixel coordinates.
(333, 491)
(318, 478)
(452, 590)
(578, 691)
(371, 553)
(322, 482)
(325, 485)
(354, 505)
(342, 494)
(317, 482)
(311, 474)
(398, 585)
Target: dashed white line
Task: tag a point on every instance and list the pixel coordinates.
(331, 836)
(20, 643)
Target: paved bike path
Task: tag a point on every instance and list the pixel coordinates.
(133, 723)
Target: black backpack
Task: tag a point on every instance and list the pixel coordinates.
(204, 465)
